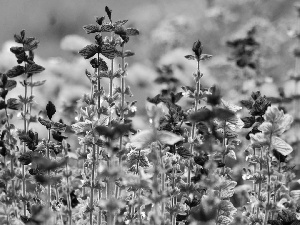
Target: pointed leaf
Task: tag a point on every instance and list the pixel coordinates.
(205, 57)
(184, 152)
(34, 68)
(16, 71)
(88, 51)
(100, 20)
(91, 28)
(248, 121)
(132, 32)
(51, 110)
(14, 104)
(190, 57)
(108, 12)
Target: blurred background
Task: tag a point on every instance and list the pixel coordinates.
(168, 29)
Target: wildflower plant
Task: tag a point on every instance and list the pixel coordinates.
(177, 171)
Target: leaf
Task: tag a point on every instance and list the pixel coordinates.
(223, 114)
(36, 83)
(58, 126)
(227, 206)
(72, 155)
(46, 123)
(205, 57)
(82, 127)
(51, 110)
(168, 138)
(224, 220)
(276, 122)
(132, 32)
(231, 107)
(88, 51)
(184, 152)
(236, 122)
(18, 38)
(14, 104)
(100, 20)
(108, 12)
(190, 57)
(295, 194)
(2, 104)
(202, 114)
(120, 22)
(128, 53)
(248, 121)
(10, 84)
(281, 146)
(146, 137)
(107, 27)
(91, 28)
(26, 158)
(34, 68)
(231, 154)
(30, 46)
(16, 71)
(247, 103)
(108, 51)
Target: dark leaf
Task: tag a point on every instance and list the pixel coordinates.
(202, 114)
(16, 71)
(222, 114)
(91, 28)
(10, 84)
(46, 123)
(247, 103)
(51, 110)
(108, 12)
(14, 104)
(34, 68)
(2, 104)
(47, 164)
(197, 49)
(107, 27)
(132, 32)
(248, 121)
(26, 158)
(100, 20)
(184, 152)
(201, 159)
(31, 45)
(108, 51)
(88, 51)
(190, 57)
(17, 50)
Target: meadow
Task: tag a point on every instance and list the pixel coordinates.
(78, 148)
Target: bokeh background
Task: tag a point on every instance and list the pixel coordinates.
(168, 29)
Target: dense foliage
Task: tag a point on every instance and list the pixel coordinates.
(189, 167)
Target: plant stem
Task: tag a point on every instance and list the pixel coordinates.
(92, 183)
(49, 185)
(194, 124)
(24, 146)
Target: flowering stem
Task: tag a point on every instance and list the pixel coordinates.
(48, 156)
(194, 124)
(92, 182)
(24, 145)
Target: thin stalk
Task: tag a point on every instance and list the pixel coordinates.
(24, 147)
(84, 170)
(194, 124)
(12, 157)
(269, 182)
(48, 156)
(69, 198)
(92, 182)
(109, 185)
